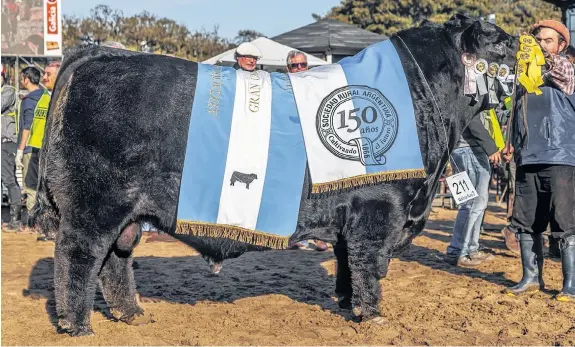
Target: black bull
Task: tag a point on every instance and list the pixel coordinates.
(114, 151)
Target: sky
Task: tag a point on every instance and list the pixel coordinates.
(271, 17)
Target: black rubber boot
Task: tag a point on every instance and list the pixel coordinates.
(567, 246)
(15, 224)
(554, 251)
(532, 260)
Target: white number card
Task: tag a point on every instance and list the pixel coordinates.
(461, 188)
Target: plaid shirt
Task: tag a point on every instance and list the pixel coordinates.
(562, 74)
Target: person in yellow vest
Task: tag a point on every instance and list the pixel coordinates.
(28, 108)
(9, 145)
(37, 131)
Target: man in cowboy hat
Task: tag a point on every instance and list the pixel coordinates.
(543, 146)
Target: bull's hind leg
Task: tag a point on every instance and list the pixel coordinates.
(117, 279)
(364, 269)
(78, 257)
(343, 288)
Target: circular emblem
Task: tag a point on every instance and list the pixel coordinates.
(527, 49)
(357, 123)
(503, 72)
(481, 66)
(492, 69)
(527, 40)
(468, 59)
(521, 68)
(523, 56)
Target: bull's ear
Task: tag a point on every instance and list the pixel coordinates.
(458, 20)
(472, 38)
(426, 22)
(459, 16)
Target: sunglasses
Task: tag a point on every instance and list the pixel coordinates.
(297, 65)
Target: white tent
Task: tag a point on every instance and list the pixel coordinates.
(273, 55)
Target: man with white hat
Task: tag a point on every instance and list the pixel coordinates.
(247, 55)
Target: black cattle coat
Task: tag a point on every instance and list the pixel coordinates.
(114, 152)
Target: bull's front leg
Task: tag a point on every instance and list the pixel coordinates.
(365, 273)
(343, 288)
(77, 260)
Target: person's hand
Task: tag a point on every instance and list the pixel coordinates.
(508, 153)
(19, 157)
(495, 159)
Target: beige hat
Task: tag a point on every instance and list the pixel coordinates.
(248, 48)
(555, 25)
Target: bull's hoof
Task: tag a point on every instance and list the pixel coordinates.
(379, 320)
(138, 319)
(65, 327)
(360, 317)
(344, 303)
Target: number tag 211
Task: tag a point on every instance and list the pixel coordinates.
(461, 188)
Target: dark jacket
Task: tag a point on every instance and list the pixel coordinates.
(27, 113)
(550, 135)
(476, 135)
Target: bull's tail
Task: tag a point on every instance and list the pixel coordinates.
(45, 214)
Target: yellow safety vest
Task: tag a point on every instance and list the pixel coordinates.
(508, 103)
(39, 121)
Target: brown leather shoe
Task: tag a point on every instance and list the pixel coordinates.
(480, 255)
(511, 241)
(467, 261)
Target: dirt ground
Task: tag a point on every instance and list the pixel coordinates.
(286, 298)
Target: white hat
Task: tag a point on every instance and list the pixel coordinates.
(248, 48)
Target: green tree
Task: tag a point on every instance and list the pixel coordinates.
(247, 35)
(389, 16)
(163, 35)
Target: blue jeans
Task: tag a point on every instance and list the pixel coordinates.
(475, 162)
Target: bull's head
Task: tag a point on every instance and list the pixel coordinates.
(479, 41)
(484, 39)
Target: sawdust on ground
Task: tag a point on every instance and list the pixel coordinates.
(286, 298)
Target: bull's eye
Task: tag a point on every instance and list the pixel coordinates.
(499, 48)
(498, 51)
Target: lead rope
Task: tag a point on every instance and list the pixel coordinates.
(512, 111)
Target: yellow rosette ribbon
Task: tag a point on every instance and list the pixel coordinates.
(530, 58)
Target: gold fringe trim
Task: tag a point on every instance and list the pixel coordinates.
(256, 238)
(368, 179)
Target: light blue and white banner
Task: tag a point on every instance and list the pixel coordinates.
(245, 160)
(358, 118)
